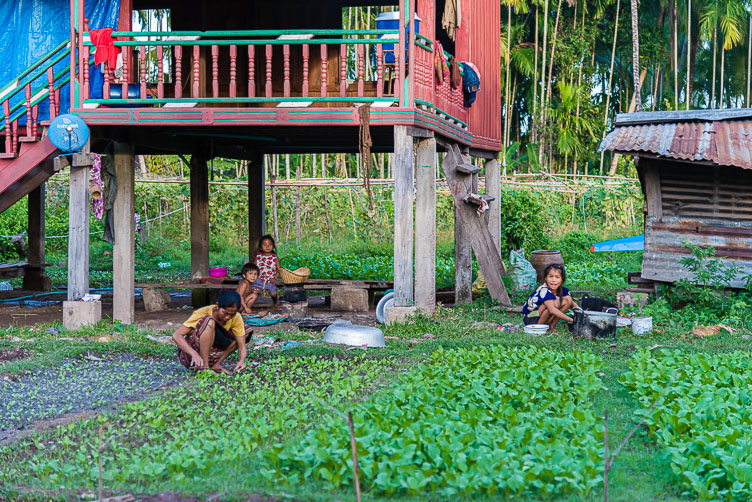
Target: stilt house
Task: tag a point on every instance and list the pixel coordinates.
(695, 168)
(240, 79)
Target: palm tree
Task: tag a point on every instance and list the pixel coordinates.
(610, 76)
(731, 15)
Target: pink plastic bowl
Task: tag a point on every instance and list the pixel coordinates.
(218, 272)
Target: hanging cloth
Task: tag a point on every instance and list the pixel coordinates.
(105, 47)
(456, 73)
(439, 62)
(451, 19)
(95, 188)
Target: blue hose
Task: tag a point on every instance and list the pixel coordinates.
(4, 300)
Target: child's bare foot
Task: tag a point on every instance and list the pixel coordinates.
(217, 368)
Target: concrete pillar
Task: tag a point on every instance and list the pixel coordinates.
(124, 249)
(78, 233)
(34, 276)
(199, 226)
(493, 189)
(403, 217)
(425, 225)
(256, 203)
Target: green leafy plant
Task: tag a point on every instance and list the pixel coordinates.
(703, 422)
(488, 421)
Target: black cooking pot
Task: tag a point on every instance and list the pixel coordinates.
(591, 324)
(595, 304)
(295, 293)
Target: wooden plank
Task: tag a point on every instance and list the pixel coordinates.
(475, 230)
(124, 249)
(78, 234)
(256, 204)
(680, 116)
(199, 225)
(403, 217)
(425, 225)
(493, 189)
(468, 168)
(653, 190)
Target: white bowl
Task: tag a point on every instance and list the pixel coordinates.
(536, 329)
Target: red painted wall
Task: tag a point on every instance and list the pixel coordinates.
(484, 27)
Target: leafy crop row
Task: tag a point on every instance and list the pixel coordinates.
(216, 422)
(704, 419)
(482, 421)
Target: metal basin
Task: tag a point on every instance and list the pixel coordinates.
(591, 324)
(347, 333)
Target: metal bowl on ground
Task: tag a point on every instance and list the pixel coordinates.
(536, 329)
(356, 335)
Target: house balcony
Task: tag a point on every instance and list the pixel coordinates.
(266, 77)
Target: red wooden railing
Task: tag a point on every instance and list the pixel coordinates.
(287, 68)
(440, 95)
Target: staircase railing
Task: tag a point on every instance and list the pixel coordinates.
(23, 95)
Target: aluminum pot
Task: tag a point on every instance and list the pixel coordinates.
(590, 324)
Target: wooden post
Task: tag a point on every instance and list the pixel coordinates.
(78, 234)
(403, 217)
(124, 249)
(199, 225)
(425, 225)
(256, 206)
(493, 189)
(34, 277)
(463, 255)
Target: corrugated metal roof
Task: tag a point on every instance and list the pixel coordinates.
(723, 142)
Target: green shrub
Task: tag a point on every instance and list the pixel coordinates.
(525, 220)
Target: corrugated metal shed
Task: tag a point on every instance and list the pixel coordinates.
(722, 137)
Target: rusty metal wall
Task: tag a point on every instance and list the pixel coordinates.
(664, 239)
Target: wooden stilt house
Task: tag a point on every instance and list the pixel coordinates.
(695, 168)
(240, 79)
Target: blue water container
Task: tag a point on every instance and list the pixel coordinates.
(390, 21)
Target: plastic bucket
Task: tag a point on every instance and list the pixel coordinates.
(642, 325)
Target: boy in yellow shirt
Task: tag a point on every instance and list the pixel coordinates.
(211, 334)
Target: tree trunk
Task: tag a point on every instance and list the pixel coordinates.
(715, 49)
(551, 62)
(720, 84)
(506, 92)
(689, 52)
(534, 132)
(676, 56)
(749, 59)
(541, 130)
(610, 76)
(636, 57)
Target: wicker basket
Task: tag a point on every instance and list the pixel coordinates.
(294, 276)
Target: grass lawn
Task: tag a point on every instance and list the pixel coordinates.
(224, 435)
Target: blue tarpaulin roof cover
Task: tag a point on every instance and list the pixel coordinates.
(32, 28)
(634, 243)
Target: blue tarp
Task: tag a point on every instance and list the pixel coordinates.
(32, 28)
(634, 243)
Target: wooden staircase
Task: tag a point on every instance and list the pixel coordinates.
(459, 177)
(23, 171)
(26, 161)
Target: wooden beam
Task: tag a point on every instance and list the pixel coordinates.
(425, 225)
(124, 249)
(463, 252)
(473, 229)
(256, 203)
(493, 189)
(34, 278)
(78, 234)
(199, 225)
(403, 217)
(653, 189)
